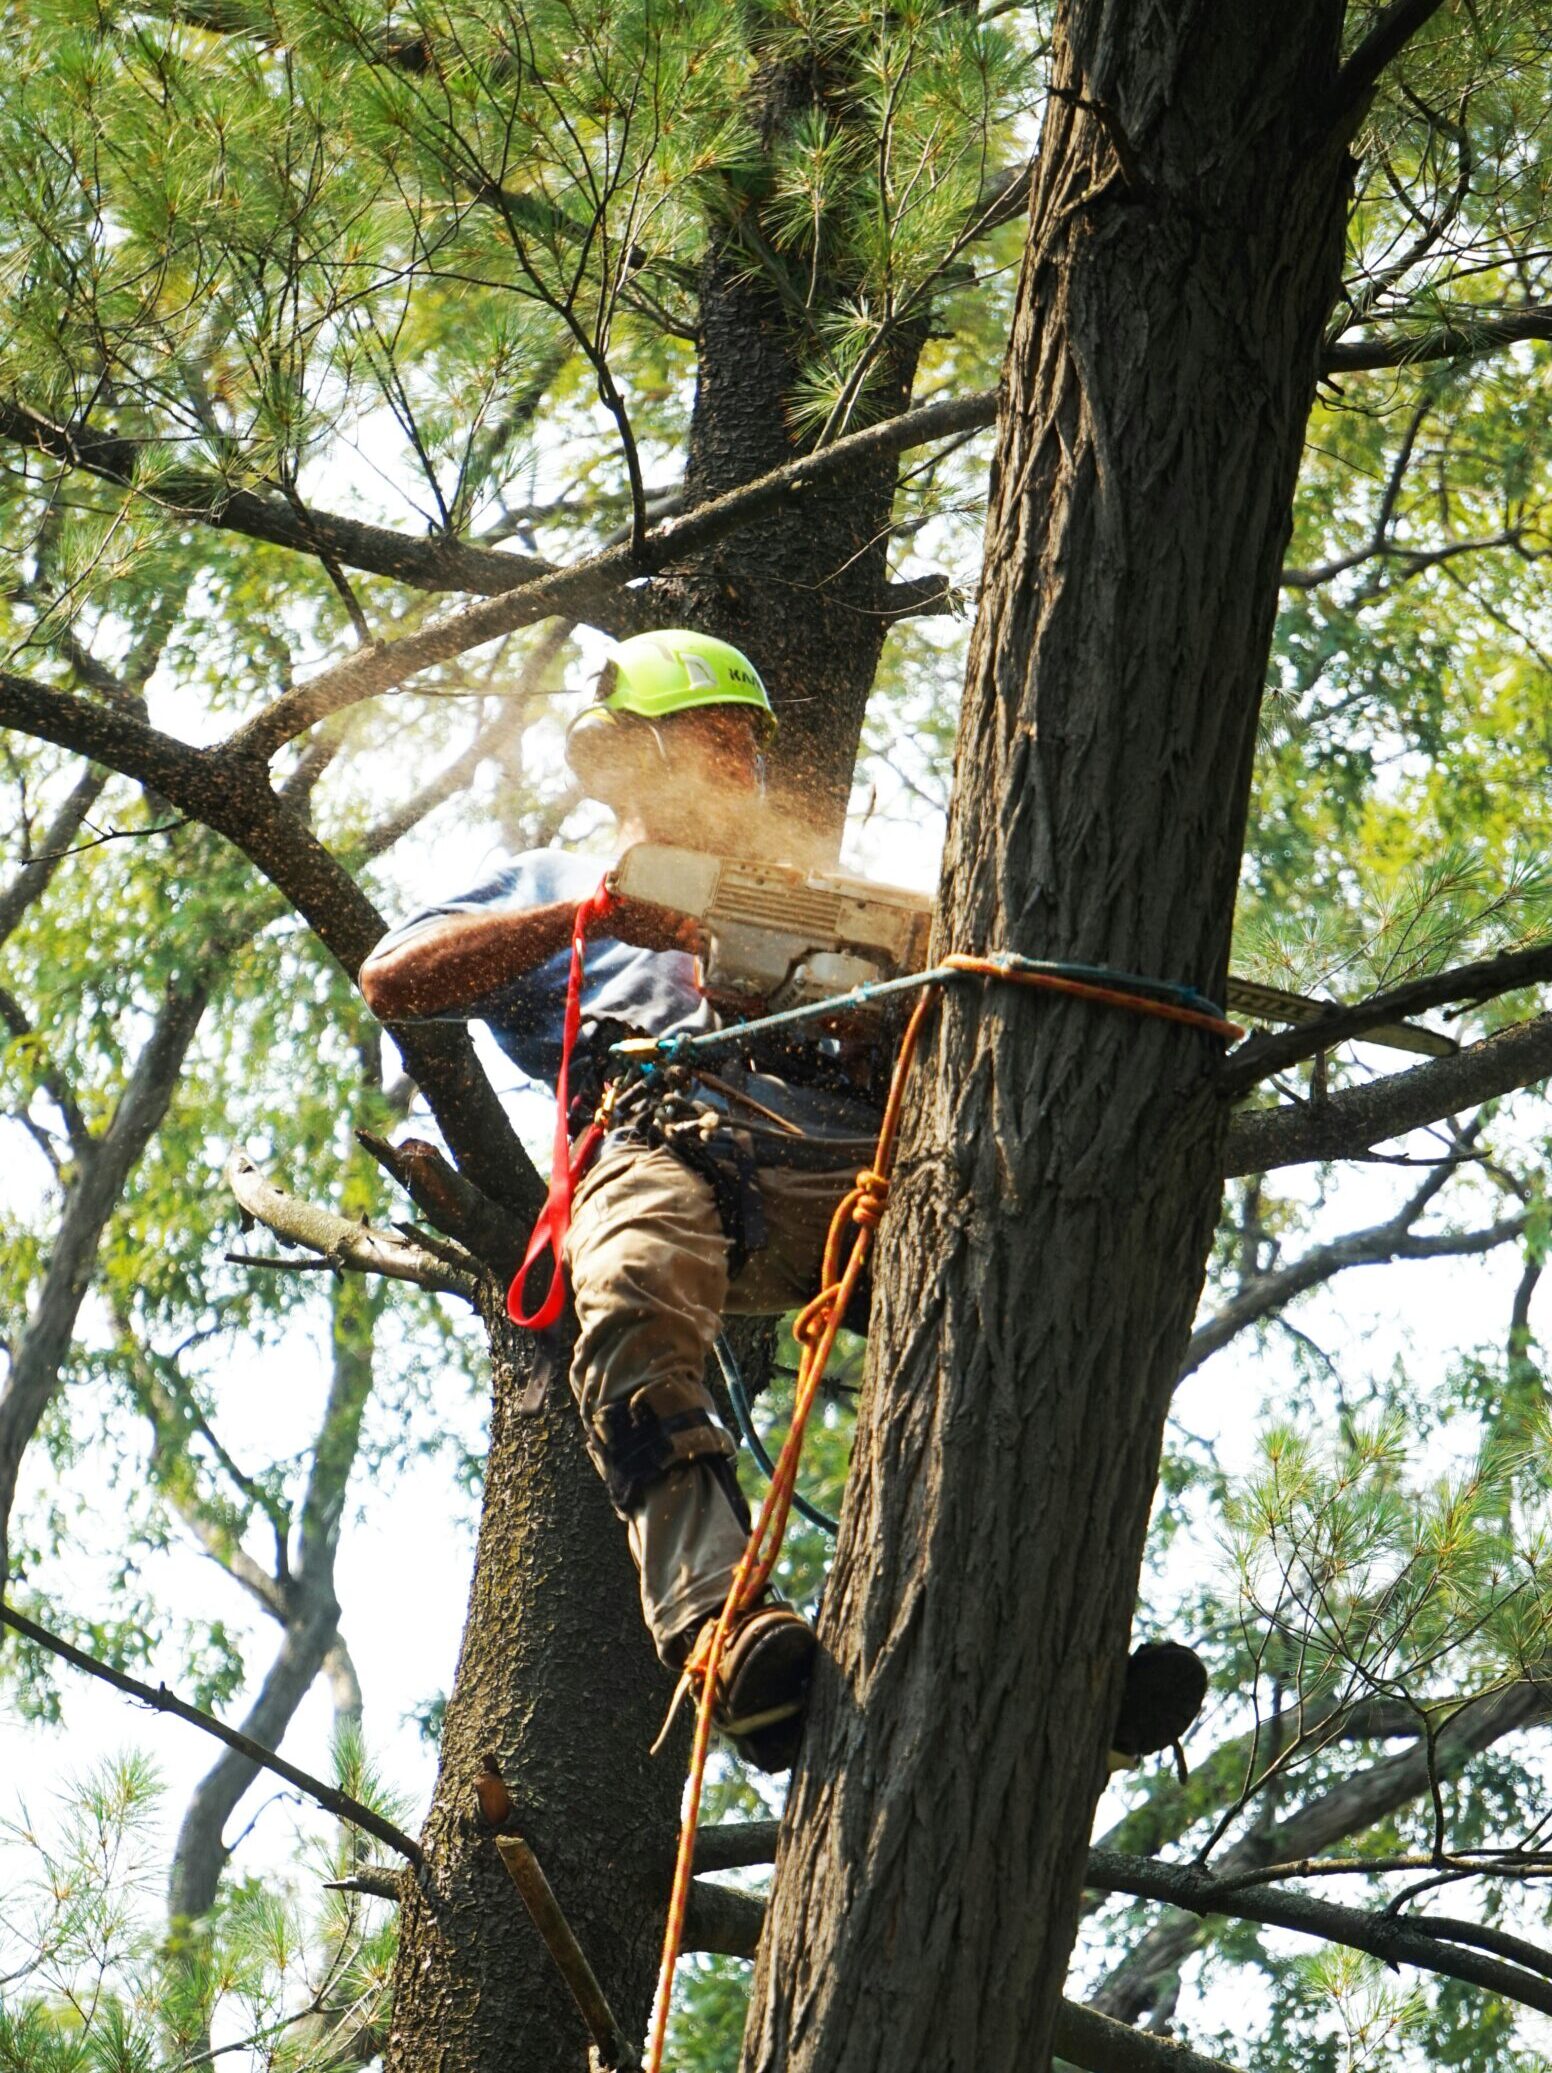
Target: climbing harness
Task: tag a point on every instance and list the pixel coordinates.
(815, 1328)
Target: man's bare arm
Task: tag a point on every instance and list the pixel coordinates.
(464, 957)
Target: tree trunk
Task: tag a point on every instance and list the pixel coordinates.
(200, 1855)
(803, 592)
(558, 1682)
(45, 1340)
(1059, 1177)
(310, 1642)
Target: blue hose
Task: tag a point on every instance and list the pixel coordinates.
(745, 1416)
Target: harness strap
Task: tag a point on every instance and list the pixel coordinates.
(568, 1162)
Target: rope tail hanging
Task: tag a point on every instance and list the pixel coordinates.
(815, 1328)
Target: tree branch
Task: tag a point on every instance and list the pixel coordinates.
(31, 881)
(1346, 1124)
(491, 740)
(1464, 337)
(374, 1879)
(721, 1919)
(1238, 1768)
(585, 589)
(733, 1845)
(333, 1801)
(41, 1347)
(1396, 1941)
(440, 564)
(231, 794)
(337, 1238)
(1392, 32)
(1413, 560)
(1375, 1247)
(1099, 2044)
(1355, 1803)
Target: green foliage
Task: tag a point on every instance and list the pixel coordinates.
(92, 1988)
(1361, 1579)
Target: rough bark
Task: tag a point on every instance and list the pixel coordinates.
(804, 591)
(552, 1614)
(1060, 1171)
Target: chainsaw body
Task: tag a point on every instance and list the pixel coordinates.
(776, 936)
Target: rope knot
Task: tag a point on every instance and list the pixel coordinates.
(872, 1199)
(812, 1321)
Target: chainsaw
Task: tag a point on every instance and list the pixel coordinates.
(777, 937)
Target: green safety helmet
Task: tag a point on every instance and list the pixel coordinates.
(653, 675)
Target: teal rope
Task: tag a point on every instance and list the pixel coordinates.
(685, 1045)
(738, 1396)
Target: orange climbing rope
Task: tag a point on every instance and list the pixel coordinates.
(814, 1328)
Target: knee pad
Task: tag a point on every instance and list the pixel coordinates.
(659, 1427)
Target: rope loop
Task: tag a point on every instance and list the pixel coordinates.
(809, 1324)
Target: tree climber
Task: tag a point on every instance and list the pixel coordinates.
(690, 1211)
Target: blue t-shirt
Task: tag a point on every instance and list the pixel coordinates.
(651, 991)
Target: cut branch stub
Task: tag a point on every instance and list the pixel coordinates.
(451, 1201)
(352, 1246)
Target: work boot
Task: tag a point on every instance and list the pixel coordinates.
(762, 1682)
(1165, 1686)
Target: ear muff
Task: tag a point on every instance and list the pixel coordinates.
(608, 750)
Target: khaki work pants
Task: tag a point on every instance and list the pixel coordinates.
(648, 1261)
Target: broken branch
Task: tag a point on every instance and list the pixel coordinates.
(339, 1242)
(527, 1875)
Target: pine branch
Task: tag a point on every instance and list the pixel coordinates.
(1352, 1805)
(340, 1804)
(1396, 1940)
(439, 564)
(1390, 35)
(589, 589)
(1464, 337)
